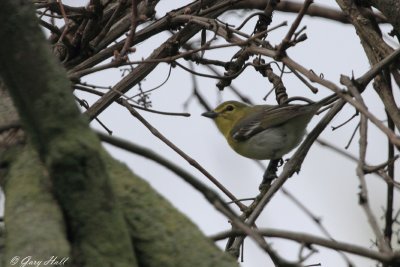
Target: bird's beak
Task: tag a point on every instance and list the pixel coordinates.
(210, 114)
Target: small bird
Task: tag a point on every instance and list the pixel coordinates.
(264, 131)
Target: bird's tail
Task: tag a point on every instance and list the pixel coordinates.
(323, 102)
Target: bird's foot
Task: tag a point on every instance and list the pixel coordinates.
(270, 173)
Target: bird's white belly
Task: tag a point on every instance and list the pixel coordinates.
(272, 143)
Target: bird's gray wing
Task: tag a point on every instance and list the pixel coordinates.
(266, 117)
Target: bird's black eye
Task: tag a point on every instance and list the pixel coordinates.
(229, 108)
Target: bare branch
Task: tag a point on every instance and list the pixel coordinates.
(190, 160)
(311, 239)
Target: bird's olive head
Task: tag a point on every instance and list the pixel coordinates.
(226, 114)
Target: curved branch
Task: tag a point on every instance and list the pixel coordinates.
(311, 239)
(314, 11)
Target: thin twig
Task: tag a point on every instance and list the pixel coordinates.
(352, 136)
(131, 37)
(154, 88)
(315, 219)
(247, 19)
(285, 42)
(390, 188)
(345, 122)
(233, 75)
(376, 168)
(190, 160)
(301, 78)
(84, 104)
(65, 21)
(363, 195)
(63, 11)
(119, 101)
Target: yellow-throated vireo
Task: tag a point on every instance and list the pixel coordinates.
(264, 131)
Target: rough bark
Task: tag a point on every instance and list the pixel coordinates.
(70, 151)
(100, 213)
(35, 226)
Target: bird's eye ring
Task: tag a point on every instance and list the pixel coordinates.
(229, 108)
